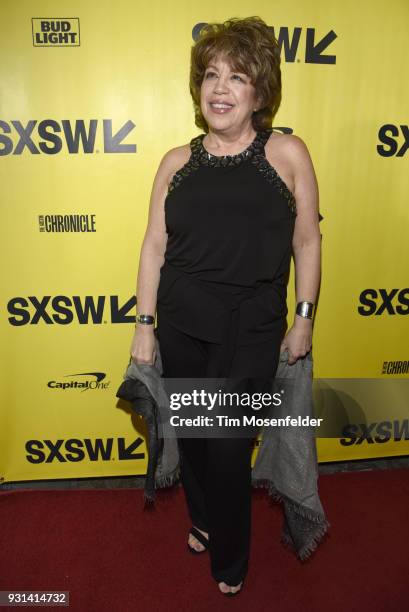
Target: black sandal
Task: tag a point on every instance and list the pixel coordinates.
(201, 538)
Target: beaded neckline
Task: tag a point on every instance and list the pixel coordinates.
(208, 159)
(255, 153)
(242, 155)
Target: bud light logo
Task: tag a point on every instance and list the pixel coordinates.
(56, 32)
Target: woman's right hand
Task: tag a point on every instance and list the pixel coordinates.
(143, 348)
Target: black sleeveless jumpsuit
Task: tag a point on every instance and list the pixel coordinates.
(221, 311)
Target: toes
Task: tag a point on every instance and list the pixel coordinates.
(195, 544)
(225, 588)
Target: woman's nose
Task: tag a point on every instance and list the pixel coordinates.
(220, 85)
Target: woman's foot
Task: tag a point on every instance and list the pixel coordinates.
(194, 543)
(226, 589)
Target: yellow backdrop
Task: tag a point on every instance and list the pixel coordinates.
(92, 95)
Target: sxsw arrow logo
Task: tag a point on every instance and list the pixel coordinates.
(127, 452)
(113, 142)
(119, 314)
(289, 41)
(64, 309)
(314, 50)
(49, 135)
(80, 449)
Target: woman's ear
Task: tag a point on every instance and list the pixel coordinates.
(257, 104)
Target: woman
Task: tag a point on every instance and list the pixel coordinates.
(227, 211)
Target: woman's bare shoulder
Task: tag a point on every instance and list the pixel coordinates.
(289, 144)
(174, 159)
(291, 153)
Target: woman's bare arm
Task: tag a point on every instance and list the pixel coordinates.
(152, 255)
(307, 237)
(306, 244)
(154, 243)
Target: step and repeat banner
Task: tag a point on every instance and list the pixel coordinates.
(92, 95)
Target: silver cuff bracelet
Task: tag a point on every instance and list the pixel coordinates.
(145, 319)
(305, 309)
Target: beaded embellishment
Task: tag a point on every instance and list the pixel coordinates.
(254, 152)
(271, 174)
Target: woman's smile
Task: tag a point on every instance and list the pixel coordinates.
(220, 108)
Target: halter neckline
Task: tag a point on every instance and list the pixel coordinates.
(255, 154)
(203, 157)
(242, 154)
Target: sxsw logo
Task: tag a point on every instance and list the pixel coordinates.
(390, 135)
(64, 309)
(289, 41)
(78, 449)
(49, 135)
(56, 31)
(384, 301)
(375, 433)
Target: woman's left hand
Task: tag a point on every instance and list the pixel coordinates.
(298, 339)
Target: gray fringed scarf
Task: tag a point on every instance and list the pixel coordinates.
(286, 463)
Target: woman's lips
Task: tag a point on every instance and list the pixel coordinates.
(220, 108)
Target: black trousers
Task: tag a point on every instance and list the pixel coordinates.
(216, 472)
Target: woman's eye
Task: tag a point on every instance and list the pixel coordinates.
(234, 76)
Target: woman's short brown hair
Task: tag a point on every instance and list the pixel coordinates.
(249, 46)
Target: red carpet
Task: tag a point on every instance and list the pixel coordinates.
(111, 556)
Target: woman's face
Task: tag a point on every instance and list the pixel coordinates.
(233, 90)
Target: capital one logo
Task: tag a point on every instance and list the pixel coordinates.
(84, 381)
(51, 137)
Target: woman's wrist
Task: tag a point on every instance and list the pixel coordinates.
(302, 322)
